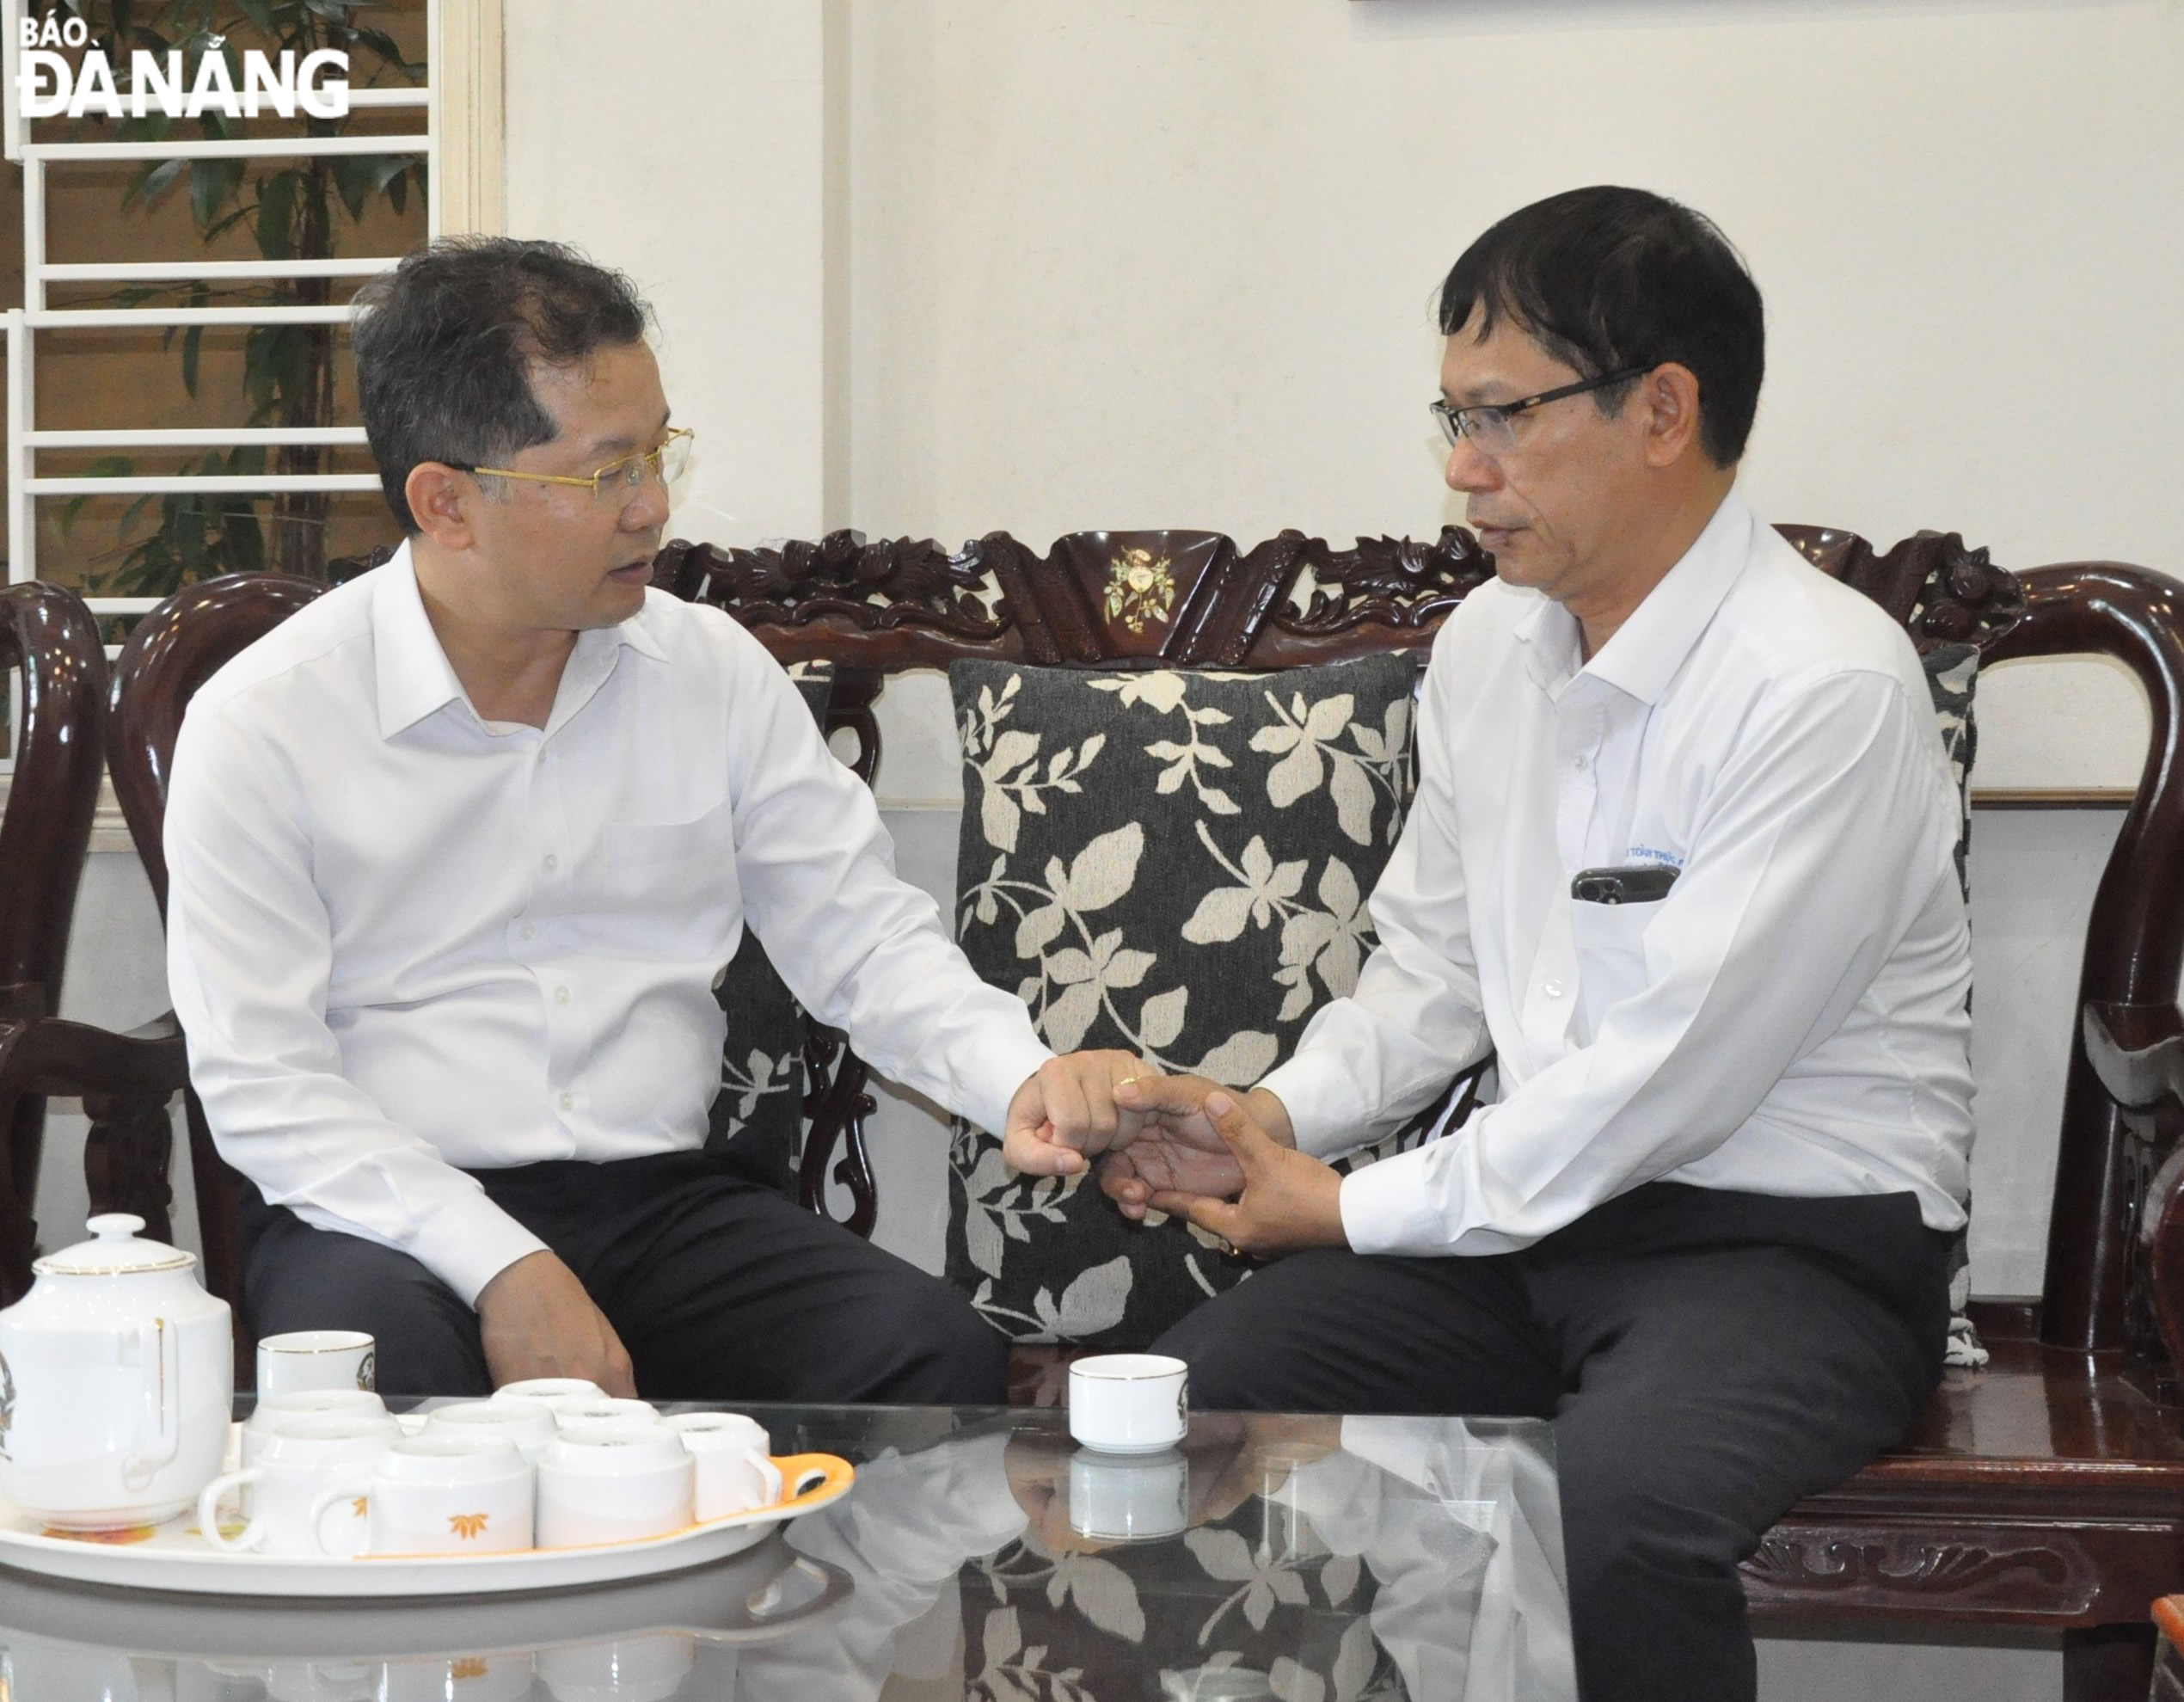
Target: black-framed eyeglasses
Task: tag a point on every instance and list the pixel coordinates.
(1489, 426)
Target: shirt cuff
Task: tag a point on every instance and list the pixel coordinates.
(466, 1245)
(1386, 1208)
(1007, 1059)
(1315, 1090)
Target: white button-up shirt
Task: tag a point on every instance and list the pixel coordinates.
(1791, 1019)
(402, 940)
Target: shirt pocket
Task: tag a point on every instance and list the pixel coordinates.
(665, 873)
(644, 845)
(1610, 941)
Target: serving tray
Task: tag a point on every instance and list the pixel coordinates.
(768, 1592)
(174, 1556)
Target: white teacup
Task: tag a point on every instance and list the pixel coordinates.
(1131, 1499)
(734, 1472)
(275, 1413)
(308, 1453)
(651, 1666)
(548, 1389)
(569, 1411)
(474, 1678)
(442, 1495)
(529, 1424)
(614, 1483)
(317, 1359)
(1129, 1402)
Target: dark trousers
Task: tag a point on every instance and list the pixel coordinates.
(720, 1288)
(1707, 1358)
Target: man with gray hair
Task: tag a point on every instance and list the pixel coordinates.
(458, 854)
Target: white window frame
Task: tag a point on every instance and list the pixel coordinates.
(461, 144)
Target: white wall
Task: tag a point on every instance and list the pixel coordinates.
(682, 142)
(1171, 264)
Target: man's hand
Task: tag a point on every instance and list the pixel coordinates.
(1179, 1155)
(1068, 1109)
(537, 1321)
(1289, 1200)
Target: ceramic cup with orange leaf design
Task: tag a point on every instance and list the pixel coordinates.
(614, 1483)
(292, 1465)
(441, 1493)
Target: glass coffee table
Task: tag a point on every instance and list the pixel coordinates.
(980, 1555)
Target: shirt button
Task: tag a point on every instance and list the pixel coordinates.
(1552, 989)
(552, 862)
(568, 1102)
(529, 932)
(561, 995)
(1578, 764)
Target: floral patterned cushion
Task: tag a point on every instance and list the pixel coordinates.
(758, 1121)
(1952, 673)
(1172, 863)
(1176, 864)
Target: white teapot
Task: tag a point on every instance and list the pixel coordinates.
(117, 1378)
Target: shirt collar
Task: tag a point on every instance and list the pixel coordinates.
(1649, 647)
(415, 676)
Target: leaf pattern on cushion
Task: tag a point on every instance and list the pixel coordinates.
(1141, 869)
(757, 1121)
(1952, 675)
(1073, 1626)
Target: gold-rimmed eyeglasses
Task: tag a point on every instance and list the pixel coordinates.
(618, 481)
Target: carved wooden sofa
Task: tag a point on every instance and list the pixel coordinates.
(48, 634)
(2045, 1489)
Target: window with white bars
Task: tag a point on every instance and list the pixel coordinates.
(177, 380)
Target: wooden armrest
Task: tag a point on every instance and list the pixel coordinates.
(2137, 1051)
(55, 1057)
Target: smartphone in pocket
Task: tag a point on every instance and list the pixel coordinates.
(1630, 883)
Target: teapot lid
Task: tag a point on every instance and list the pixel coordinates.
(116, 1252)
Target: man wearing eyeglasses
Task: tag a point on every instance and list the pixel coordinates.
(457, 855)
(1682, 859)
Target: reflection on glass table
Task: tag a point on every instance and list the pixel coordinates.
(981, 1555)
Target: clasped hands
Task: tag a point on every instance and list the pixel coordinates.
(1176, 1143)
(1181, 1145)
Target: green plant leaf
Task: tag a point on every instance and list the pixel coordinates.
(389, 53)
(192, 341)
(276, 219)
(213, 184)
(258, 12)
(153, 181)
(353, 181)
(106, 467)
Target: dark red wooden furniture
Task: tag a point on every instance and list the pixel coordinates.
(47, 634)
(175, 649)
(2045, 1489)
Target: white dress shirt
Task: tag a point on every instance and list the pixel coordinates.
(403, 940)
(1791, 1019)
